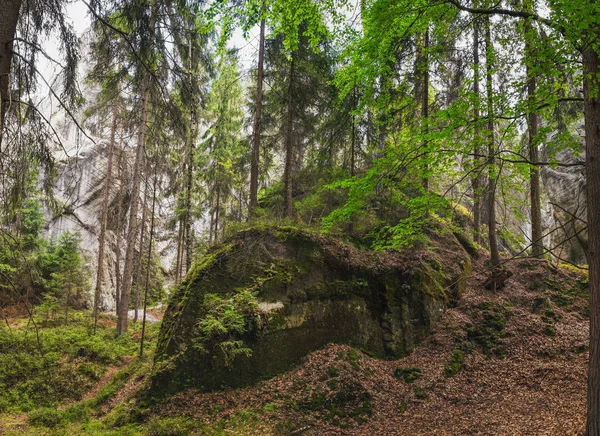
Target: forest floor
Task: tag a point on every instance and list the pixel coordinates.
(509, 362)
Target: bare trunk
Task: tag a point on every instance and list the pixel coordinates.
(148, 264)
(537, 245)
(217, 207)
(133, 220)
(190, 174)
(9, 17)
(118, 232)
(353, 139)
(491, 162)
(257, 123)
(425, 114)
(591, 69)
(476, 171)
(138, 262)
(178, 260)
(104, 218)
(289, 145)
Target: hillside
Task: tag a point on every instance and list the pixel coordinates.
(510, 362)
(523, 369)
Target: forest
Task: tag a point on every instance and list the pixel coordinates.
(299, 217)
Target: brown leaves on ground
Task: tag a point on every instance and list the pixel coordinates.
(521, 371)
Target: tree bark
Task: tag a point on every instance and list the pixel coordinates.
(118, 232)
(591, 67)
(190, 170)
(148, 264)
(178, 260)
(138, 262)
(217, 207)
(476, 174)
(9, 17)
(491, 161)
(257, 122)
(289, 145)
(104, 218)
(133, 212)
(537, 244)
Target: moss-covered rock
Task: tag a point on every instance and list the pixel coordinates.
(310, 290)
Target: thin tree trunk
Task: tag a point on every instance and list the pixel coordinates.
(136, 282)
(179, 252)
(537, 244)
(104, 218)
(133, 219)
(148, 265)
(492, 167)
(9, 17)
(118, 232)
(257, 122)
(591, 83)
(425, 111)
(476, 177)
(190, 172)
(217, 207)
(289, 145)
(353, 143)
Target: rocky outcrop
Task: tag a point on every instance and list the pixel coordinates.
(565, 189)
(309, 290)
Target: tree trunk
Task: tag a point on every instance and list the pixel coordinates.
(257, 122)
(476, 170)
(353, 139)
(133, 212)
(104, 218)
(190, 170)
(491, 161)
(138, 262)
(289, 145)
(217, 207)
(148, 264)
(9, 17)
(178, 260)
(118, 232)
(537, 244)
(591, 74)
(425, 106)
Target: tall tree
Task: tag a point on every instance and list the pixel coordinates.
(256, 128)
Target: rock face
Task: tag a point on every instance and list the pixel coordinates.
(310, 290)
(566, 209)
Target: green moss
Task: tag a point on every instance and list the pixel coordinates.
(550, 330)
(455, 364)
(420, 393)
(333, 371)
(487, 329)
(408, 374)
(46, 417)
(352, 356)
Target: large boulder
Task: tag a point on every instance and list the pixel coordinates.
(255, 305)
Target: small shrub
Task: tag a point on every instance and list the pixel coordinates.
(176, 426)
(353, 358)
(333, 371)
(46, 417)
(550, 330)
(408, 374)
(455, 364)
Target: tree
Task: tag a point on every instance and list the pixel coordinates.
(224, 149)
(256, 128)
